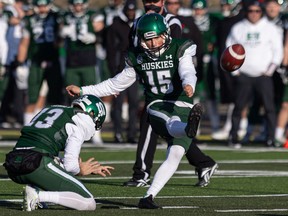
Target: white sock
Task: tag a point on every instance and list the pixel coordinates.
(175, 127)
(243, 124)
(44, 89)
(68, 199)
(228, 122)
(279, 133)
(167, 169)
(125, 111)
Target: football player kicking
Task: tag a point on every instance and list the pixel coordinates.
(34, 160)
(165, 69)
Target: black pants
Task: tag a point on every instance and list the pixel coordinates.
(147, 146)
(247, 87)
(14, 100)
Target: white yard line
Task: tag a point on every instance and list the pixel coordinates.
(251, 210)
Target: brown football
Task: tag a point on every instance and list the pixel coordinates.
(232, 57)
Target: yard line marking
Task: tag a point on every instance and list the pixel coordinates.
(212, 196)
(175, 197)
(251, 210)
(186, 162)
(243, 173)
(188, 174)
(164, 207)
(126, 146)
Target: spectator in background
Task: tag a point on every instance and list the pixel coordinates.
(4, 19)
(189, 29)
(206, 89)
(117, 44)
(14, 100)
(263, 44)
(274, 14)
(45, 80)
(103, 20)
(232, 13)
(78, 30)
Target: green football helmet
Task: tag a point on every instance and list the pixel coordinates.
(41, 2)
(150, 26)
(199, 4)
(94, 107)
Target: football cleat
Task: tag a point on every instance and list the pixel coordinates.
(204, 175)
(137, 183)
(194, 120)
(30, 199)
(148, 203)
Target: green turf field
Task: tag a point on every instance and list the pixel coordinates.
(250, 181)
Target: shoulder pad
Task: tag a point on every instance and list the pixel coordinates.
(185, 45)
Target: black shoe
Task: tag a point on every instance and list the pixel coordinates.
(137, 183)
(148, 203)
(270, 143)
(234, 143)
(118, 138)
(204, 175)
(193, 120)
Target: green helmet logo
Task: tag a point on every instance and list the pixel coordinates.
(199, 4)
(150, 26)
(41, 2)
(94, 107)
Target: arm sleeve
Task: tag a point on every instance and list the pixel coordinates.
(114, 85)
(186, 68)
(81, 131)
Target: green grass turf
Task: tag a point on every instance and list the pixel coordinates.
(234, 190)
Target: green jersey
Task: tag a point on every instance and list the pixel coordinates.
(47, 131)
(43, 33)
(79, 54)
(160, 78)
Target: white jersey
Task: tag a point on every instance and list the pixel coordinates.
(263, 43)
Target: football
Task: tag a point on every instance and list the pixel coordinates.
(232, 57)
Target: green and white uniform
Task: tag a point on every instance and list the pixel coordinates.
(80, 59)
(44, 56)
(163, 80)
(52, 130)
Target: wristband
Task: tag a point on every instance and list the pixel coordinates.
(81, 92)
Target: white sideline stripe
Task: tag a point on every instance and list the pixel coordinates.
(244, 173)
(164, 207)
(116, 147)
(173, 197)
(186, 162)
(191, 175)
(177, 197)
(251, 210)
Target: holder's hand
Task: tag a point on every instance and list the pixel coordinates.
(73, 90)
(188, 90)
